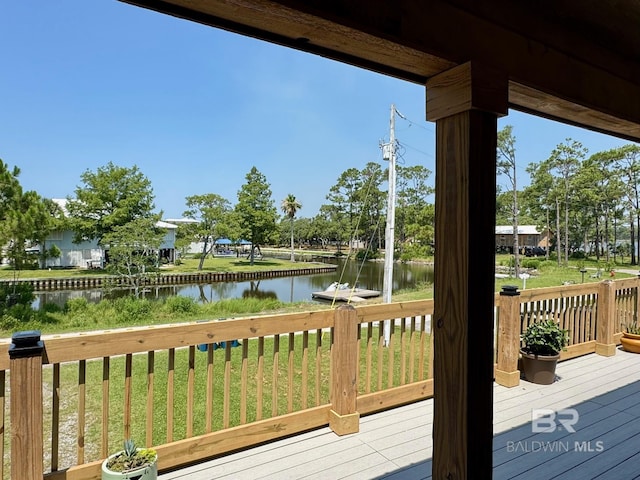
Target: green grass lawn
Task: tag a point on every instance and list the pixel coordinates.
(94, 384)
(189, 265)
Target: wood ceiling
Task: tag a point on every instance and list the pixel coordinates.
(575, 61)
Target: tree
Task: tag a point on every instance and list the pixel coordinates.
(541, 199)
(133, 251)
(10, 192)
(24, 218)
(26, 225)
(414, 221)
(506, 163)
(255, 210)
(357, 204)
(564, 162)
(290, 207)
(628, 164)
(212, 211)
(343, 196)
(110, 197)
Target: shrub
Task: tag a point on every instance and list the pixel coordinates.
(23, 313)
(367, 255)
(8, 322)
(412, 252)
(181, 305)
(132, 310)
(20, 294)
(51, 308)
(531, 263)
(545, 264)
(544, 338)
(76, 305)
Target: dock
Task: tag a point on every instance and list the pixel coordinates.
(346, 295)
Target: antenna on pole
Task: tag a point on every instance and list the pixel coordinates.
(389, 153)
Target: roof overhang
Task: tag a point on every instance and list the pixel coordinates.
(571, 61)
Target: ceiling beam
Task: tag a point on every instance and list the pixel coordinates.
(417, 40)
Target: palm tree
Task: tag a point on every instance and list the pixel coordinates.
(290, 207)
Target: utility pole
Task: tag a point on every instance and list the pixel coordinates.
(389, 153)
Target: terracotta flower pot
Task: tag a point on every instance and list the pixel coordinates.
(540, 369)
(630, 342)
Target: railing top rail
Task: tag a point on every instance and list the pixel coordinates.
(626, 283)
(387, 311)
(96, 344)
(564, 291)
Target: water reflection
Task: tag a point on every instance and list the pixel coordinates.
(287, 289)
(255, 292)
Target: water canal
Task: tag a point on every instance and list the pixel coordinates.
(288, 289)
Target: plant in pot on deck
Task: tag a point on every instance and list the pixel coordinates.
(542, 343)
(631, 337)
(131, 463)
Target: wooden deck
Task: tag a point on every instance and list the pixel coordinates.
(397, 444)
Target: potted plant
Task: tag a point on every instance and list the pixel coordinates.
(542, 343)
(631, 337)
(131, 463)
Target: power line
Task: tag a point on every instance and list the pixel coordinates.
(406, 145)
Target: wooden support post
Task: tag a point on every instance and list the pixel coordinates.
(507, 373)
(25, 364)
(343, 417)
(465, 102)
(606, 319)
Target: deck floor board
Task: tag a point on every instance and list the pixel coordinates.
(397, 444)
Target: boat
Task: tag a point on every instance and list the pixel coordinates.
(344, 293)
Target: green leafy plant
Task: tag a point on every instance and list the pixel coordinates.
(131, 458)
(632, 328)
(544, 337)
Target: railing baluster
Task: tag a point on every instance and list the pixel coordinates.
(260, 379)
(210, 383)
(423, 346)
(305, 369)
(367, 387)
(104, 444)
(412, 349)
(274, 375)
(380, 353)
(318, 371)
(244, 378)
(290, 372)
(149, 409)
(127, 396)
(171, 367)
(391, 353)
(403, 350)
(82, 388)
(226, 406)
(190, 390)
(55, 417)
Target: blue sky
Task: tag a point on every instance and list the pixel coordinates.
(85, 83)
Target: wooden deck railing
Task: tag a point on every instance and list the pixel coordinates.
(593, 314)
(203, 389)
(206, 388)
